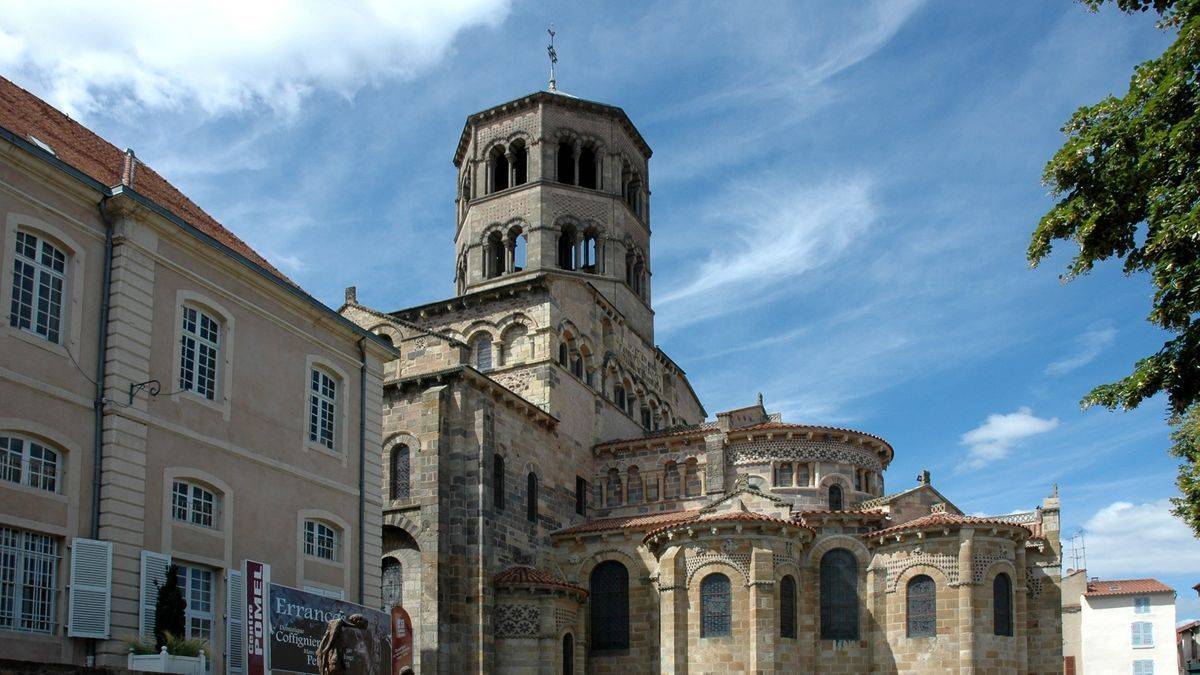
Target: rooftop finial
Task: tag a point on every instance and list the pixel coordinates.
(553, 58)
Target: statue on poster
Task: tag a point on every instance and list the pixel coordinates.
(341, 637)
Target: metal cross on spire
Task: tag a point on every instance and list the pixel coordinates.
(553, 58)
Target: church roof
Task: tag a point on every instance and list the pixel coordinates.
(1100, 587)
(523, 575)
(728, 517)
(556, 98)
(32, 119)
(642, 521)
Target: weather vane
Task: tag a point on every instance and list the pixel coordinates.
(553, 58)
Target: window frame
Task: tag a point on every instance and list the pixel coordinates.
(37, 554)
(532, 488)
(70, 326)
(1143, 667)
(325, 395)
(41, 278)
(608, 606)
(312, 540)
(189, 376)
(190, 514)
(399, 458)
(920, 608)
(716, 606)
(1141, 604)
(833, 625)
(1003, 623)
(188, 582)
(24, 467)
(1143, 630)
(787, 607)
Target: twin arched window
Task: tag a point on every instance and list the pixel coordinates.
(787, 607)
(839, 595)
(1002, 614)
(401, 471)
(609, 586)
(921, 607)
(25, 461)
(716, 606)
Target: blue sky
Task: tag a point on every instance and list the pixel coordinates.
(842, 197)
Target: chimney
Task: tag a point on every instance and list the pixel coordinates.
(129, 168)
(352, 295)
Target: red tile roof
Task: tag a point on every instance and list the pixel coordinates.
(641, 521)
(729, 516)
(28, 116)
(522, 575)
(1099, 587)
(944, 519)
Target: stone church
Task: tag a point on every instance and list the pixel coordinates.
(558, 500)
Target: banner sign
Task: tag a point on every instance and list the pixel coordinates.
(402, 641)
(299, 619)
(257, 579)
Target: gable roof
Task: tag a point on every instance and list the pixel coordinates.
(32, 119)
(525, 576)
(1103, 587)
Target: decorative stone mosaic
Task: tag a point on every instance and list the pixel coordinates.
(517, 621)
(802, 451)
(980, 564)
(947, 563)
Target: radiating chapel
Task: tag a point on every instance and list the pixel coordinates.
(558, 500)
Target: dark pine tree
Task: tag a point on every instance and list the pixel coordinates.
(169, 609)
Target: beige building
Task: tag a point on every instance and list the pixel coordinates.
(1119, 626)
(556, 499)
(166, 396)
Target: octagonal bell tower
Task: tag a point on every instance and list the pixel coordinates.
(551, 183)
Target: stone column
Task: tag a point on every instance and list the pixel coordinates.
(672, 607)
(575, 158)
(761, 658)
(966, 586)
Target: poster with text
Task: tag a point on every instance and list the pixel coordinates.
(299, 620)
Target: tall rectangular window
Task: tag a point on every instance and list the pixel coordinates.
(28, 581)
(196, 583)
(1143, 633)
(581, 488)
(39, 275)
(322, 408)
(199, 346)
(783, 474)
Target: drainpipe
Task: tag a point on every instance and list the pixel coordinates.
(98, 403)
(362, 464)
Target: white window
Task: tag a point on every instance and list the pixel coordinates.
(1143, 634)
(1141, 605)
(335, 593)
(196, 583)
(193, 504)
(322, 408)
(39, 275)
(320, 540)
(199, 347)
(1143, 667)
(26, 462)
(28, 581)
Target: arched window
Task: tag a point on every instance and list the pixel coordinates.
(922, 607)
(393, 583)
(609, 586)
(671, 481)
(482, 349)
(321, 540)
(590, 252)
(498, 482)
(568, 654)
(1002, 614)
(566, 163)
(517, 244)
(619, 396)
(563, 353)
(531, 497)
(499, 166)
(194, 503)
(39, 283)
(566, 249)
(839, 595)
(787, 607)
(614, 487)
(577, 365)
(633, 485)
(519, 158)
(783, 474)
(835, 498)
(493, 254)
(401, 470)
(716, 607)
(25, 461)
(587, 167)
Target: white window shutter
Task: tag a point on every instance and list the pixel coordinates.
(235, 623)
(154, 574)
(90, 594)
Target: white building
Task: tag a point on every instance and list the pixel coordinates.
(1128, 626)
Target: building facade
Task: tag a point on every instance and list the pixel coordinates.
(166, 396)
(556, 499)
(1122, 626)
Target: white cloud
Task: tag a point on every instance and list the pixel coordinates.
(1087, 347)
(225, 56)
(1000, 433)
(769, 231)
(1139, 540)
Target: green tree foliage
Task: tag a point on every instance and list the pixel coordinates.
(1127, 182)
(169, 609)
